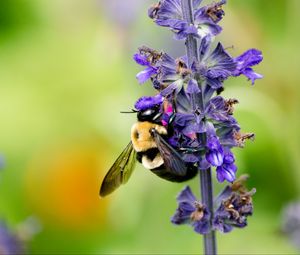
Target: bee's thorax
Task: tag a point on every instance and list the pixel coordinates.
(141, 136)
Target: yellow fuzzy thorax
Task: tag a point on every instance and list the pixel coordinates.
(141, 137)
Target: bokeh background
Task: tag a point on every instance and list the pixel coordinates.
(66, 72)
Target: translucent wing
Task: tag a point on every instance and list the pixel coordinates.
(173, 162)
(120, 171)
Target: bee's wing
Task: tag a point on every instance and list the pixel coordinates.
(173, 162)
(120, 171)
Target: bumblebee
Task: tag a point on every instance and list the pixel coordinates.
(148, 146)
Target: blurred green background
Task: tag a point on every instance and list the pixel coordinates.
(66, 72)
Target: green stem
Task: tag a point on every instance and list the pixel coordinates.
(209, 239)
(205, 175)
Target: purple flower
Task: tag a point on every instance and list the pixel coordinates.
(212, 12)
(171, 74)
(219, 110)
(216, 66)
(166, 73)
(10, 243)
(207, 18)
(290, 222)
(226, 170)
(244, 62)
(190, 115)
(200, 124)
(150, 70)
(149, 58)
(191, 212)
(215, 153)
(168, 13)
(145, 103)
(234, 205)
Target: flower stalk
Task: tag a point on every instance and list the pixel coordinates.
(209, 240)
(191, 42)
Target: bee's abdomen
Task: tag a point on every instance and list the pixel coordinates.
(164, 174)
(150, 158)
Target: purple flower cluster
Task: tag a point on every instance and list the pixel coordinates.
(199, 121)
(169, 14)
(232, 207)
(203, 128)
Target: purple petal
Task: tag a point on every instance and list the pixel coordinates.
(251, 75)
(204, 46)
(146, 74)
(212, 12)
(193, 128)
(182, 119)
(220, 64)
(220, 225)
(214, 157)
(169, 10)
(145, 103)
(229, 158)
(226, 172)
(175, 86)
(246, 61)
(141, 59)
(215, 83)
(186, 195)
(181, 215)
(232, 168)
(201, 227)
(192, 87)
(218, 103)
(249, 58)
(203, 164)
(213, 143)
(186, 200)
(220, 175)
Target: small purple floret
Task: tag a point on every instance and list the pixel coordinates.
(215, 152)
(191, 212)
(145, 103)
(235, 205)
(168, 13)
(141, 59)
(227, 170)
(245, 61)
(146, 74)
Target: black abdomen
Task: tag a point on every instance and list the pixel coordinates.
(163, 173)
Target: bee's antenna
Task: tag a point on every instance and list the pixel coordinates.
(132, 111)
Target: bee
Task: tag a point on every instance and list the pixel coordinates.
(148, 146)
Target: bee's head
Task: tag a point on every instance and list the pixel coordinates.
(151, 114)
(149, 108)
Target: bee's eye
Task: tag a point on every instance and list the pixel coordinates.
(136, 134)
(148, 112)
